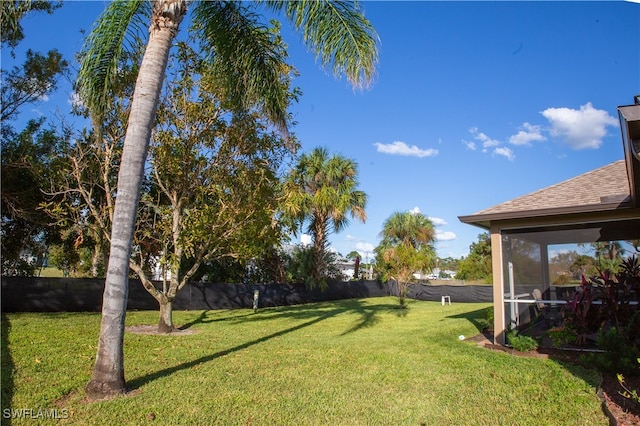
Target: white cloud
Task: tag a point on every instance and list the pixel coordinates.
(470, 145)
(305, 239)
(401, 148)
(581, 129)
(437, 221)
(530, 133)
(37, 112)
(505, 152)
(415, 210)
(75, 101)
(445, 235)
(487, 142)
(364, 248)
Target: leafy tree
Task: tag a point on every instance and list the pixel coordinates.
(81, 196)
(28, 156)
(251, 67)
(609, 254)
(213, 188)
(12, 12)
(29, 83)
(353, 255)
(302, 262)
(583, 265)
(477, 266)
(406, 248)
(448, 263)
(29, 159)
(322, 190)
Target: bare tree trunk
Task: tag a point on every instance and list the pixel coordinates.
(165, 323)
(95, 259)
(108, 373)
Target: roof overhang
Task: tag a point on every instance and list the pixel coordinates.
(630, 127)
(603, 210)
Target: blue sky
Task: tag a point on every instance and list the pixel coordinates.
(475, 103)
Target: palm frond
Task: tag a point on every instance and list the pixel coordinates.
(116, 31)
(250, 58)
(339, 34)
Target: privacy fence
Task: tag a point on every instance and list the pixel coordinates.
(33, 294)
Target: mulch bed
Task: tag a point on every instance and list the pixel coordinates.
(620, 410)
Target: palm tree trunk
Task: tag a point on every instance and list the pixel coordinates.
(108, 373)
(319, 241)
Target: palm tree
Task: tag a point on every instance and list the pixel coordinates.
(323, 191)
(406, 247)
(250, 67)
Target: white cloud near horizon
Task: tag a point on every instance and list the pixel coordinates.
(529, 133)
(359, 245)
(580, 129)
(401, 148)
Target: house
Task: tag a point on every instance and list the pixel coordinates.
(594, 211)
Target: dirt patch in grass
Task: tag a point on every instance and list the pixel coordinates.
(153, 330)
(620, 410)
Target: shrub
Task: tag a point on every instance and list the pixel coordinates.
(632, 394)
(618, 355)
(561, 335)
(616, 320)
(520, 342)
(487, 322)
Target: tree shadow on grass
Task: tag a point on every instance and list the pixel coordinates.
(7, 369)
(313, 313)
(478, 318)
(141, 381)
(299, 312)
(369, 316)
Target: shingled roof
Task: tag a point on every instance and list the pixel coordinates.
(605, 188)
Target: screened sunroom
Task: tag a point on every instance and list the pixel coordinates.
(544, 242)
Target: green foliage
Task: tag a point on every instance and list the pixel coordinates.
(561, 335)
(618, 355)
(406, 248)
(322, 191)
(353, 255)
(449, 263)
(64, 258)
(342, 38)
(301, 264)
(488, 319)
(29, 163)
(616, 320)
(633, 394)
(12, 13)
(520, 342)
(477, 265)
(28, 156)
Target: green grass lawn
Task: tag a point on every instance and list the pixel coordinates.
(340, 363)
